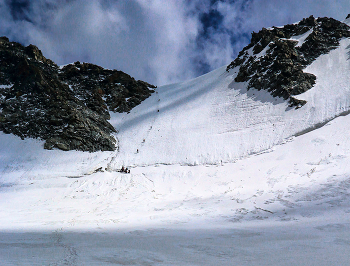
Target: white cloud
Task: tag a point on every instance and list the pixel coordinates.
(146, 39)
(175, 34)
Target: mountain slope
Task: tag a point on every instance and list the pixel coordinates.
(67, 107)
(202, 152)
(275, 58)
(220, 172)
(213, 119)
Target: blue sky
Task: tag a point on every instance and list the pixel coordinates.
(159, 41)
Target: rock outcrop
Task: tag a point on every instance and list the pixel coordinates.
(104, 90)
(68, 107)
(273, 61)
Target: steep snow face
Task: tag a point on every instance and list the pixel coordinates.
(208, 120)
(212, 119)
(301, 38)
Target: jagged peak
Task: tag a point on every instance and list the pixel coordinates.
(67, 107)
(274, 61)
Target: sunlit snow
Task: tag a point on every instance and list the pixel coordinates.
(219, 176)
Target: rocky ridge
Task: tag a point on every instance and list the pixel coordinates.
(67, 107)
(273, 61)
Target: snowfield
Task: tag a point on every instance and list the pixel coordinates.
(219, 175)
(212, 119)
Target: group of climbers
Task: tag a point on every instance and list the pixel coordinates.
(124, 170)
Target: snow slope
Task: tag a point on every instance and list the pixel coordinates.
(212, 119)
(288, 183)
(208, 120)
(238, 164)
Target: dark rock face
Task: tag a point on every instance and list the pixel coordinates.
(274, 62)
(104, 90)
(67, 107)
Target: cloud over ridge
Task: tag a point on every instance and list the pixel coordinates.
(157, 41)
